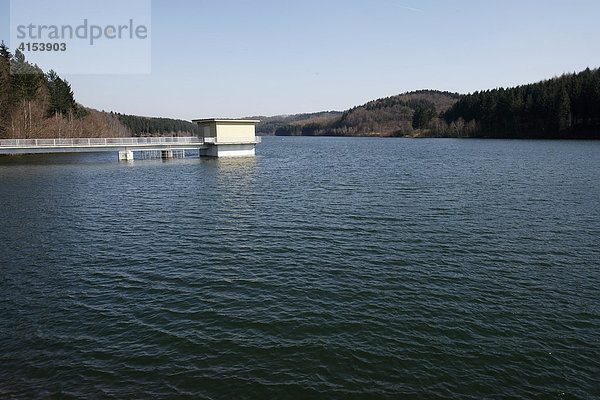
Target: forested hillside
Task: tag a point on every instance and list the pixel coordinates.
(269, 125)
(565, 107)
(34, 104)
(408, 114)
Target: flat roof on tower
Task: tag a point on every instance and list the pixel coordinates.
(253, 121)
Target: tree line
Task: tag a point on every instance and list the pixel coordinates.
(146, 126)
(34, 104)
(566, 107)
(29, 98)
(406, 114)
(269, 125)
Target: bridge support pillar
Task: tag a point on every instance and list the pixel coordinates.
(126, 155)
(166, 154)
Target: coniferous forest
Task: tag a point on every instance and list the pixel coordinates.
(147, 126)
(567, 107)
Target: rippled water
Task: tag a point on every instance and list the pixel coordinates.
(322, 268)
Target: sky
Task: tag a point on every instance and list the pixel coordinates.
(235, 59)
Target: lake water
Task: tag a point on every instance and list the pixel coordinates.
(322, 268)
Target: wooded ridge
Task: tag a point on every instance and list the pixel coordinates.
(35, 104)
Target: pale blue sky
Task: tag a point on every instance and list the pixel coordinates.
(241, 58)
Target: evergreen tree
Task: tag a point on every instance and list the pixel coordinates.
(61, 95)
(6, 94)
(563, 111)
(424, 113)
(4, 53)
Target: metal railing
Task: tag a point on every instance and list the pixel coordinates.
(74, 142)
(212, 140)
(91, 142)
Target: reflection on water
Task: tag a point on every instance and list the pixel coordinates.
(236, 173)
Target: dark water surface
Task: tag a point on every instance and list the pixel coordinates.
(322, 268)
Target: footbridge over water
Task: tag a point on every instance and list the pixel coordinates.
(124, 146)
(218, 138)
